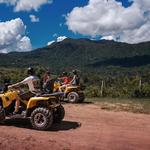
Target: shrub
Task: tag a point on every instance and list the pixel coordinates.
(92, 91)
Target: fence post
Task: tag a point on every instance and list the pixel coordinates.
(102, 88)
(140, 85)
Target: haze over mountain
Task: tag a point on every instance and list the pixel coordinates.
(82, 54)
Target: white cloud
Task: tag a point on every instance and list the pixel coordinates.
(51, 42)
(9, 2)
(61, 38)
(105, 18)
(12, 36)
(26, 5)
(34, 18)
(108, 38)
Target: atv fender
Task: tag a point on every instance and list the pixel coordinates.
(8, 97)
(33, 101)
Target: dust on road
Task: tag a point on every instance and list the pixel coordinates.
(85, 127)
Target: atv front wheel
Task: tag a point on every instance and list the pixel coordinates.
(59, 114)
(73, 97)
(42, 118)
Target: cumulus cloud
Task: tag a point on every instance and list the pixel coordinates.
(61, 38)
(12, 36)
(108, 38)
(109, 18)
(9, 2)
(26, 5)
(51, 42)
(34, 18)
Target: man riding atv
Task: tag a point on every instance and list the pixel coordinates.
(65, 78)
(76, 78)
(72, 91)
(42, 109)
(65, 81)
(33, 83)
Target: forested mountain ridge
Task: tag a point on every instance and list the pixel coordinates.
(81, 53)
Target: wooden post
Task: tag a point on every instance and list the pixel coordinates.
(140, 85)
(102, 88)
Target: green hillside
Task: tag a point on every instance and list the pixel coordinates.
(83, 54)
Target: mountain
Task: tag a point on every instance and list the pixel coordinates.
(81, 53)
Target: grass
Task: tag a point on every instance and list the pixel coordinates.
(123, 104)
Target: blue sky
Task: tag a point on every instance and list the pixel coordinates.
(49, 19)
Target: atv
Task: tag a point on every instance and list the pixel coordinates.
(72, 93)
(43, 110)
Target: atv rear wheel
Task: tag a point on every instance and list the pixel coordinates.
(59, 114)
(73, 97)
(42, 118)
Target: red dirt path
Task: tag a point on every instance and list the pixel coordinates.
(85, 127)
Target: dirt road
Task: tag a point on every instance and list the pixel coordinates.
(85, 127)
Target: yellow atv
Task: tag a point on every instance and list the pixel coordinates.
(72, 93)
(43, 110)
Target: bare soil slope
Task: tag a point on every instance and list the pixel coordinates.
(85, 127)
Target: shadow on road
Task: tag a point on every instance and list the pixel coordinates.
(65, 125)
(87, 102)
(25, 123)
(82, 103)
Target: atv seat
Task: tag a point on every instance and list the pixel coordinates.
(26, 96)
(53, 94)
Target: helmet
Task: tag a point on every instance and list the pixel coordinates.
(74, 71)
(64, 73)
(30, 71)
(48, 72)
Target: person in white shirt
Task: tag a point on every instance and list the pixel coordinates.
(33, 83)
(76, 78)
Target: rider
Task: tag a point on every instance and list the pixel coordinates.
(75, 81)
(65, 78)
(47, 83)
(33, 83)
(65, 81)
(76, 78)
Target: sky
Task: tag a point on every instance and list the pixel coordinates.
(29, 24)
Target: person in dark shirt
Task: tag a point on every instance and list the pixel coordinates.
(47, 83)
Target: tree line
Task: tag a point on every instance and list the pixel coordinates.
(98, 84)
